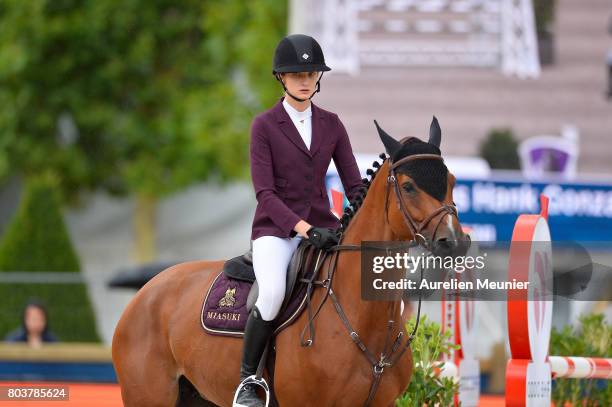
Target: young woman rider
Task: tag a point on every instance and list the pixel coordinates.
(291, 147)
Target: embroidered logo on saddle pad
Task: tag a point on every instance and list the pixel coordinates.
(229, 300)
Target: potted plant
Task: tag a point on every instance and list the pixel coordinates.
(500, 149)
(426, 387)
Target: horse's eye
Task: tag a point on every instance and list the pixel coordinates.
(408, 187)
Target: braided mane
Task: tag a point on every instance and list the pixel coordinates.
(355, 204)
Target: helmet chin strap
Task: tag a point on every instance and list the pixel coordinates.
(278, 78)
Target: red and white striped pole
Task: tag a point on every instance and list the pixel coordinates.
(577, 367)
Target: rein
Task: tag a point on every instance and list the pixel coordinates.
(391, 352)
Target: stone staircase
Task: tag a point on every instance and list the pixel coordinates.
(470, 101)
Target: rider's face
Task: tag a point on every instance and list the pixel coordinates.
(301, 84)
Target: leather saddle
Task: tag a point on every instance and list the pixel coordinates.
(241, 268)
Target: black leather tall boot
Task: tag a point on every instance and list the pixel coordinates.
(256, 335)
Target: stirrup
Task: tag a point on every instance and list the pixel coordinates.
(261, 382)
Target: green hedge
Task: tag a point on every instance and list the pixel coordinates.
(37, 240)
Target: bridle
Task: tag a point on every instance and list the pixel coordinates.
(392, 351)
(416, 228)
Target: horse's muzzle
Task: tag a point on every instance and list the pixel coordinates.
(451, 247)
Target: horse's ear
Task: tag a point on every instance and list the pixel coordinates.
(391, 144)
(435, 133)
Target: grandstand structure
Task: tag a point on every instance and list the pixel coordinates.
(372, 33)
(472, 63)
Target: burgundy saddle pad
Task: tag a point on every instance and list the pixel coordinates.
(224, 309)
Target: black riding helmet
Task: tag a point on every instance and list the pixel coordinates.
(299, 53)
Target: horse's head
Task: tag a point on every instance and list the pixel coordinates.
(419, 197)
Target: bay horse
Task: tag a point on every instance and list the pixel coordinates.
(163, 357)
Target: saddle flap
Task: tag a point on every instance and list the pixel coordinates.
(297, 265)
(240, 267)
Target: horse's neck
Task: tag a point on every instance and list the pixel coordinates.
(369, 224)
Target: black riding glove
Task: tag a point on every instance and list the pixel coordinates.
(322, 238)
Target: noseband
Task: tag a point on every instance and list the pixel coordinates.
(416, 228)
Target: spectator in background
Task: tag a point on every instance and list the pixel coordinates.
(35, 326)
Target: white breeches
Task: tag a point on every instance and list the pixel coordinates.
(271, 256)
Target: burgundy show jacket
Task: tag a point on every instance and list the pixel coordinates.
(289, 179)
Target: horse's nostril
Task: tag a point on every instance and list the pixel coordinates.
(444, 246)
(446, 242)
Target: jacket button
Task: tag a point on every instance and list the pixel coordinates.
(308, 177)
(307, 203)
(308, 189)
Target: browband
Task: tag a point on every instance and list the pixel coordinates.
(416, 157)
